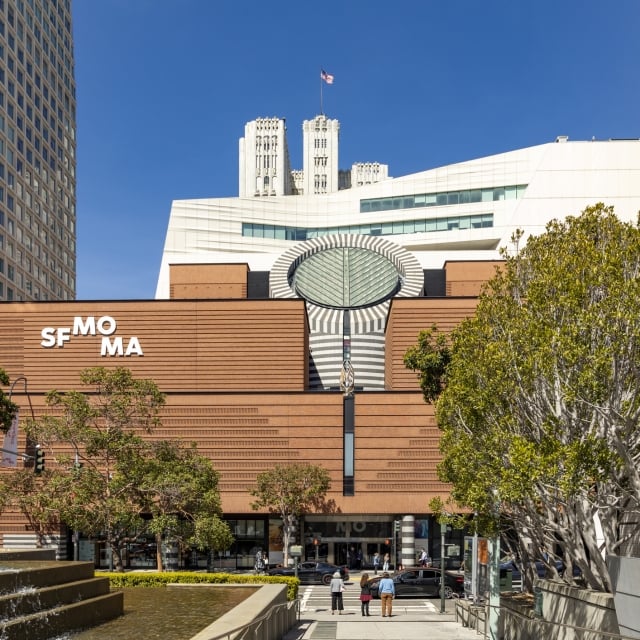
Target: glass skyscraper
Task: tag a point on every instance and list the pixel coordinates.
(37, 151)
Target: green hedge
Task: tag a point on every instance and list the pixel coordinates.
(161, 579)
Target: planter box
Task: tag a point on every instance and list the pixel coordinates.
(558, 612)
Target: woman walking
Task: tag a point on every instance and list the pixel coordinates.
(365, 594)
(337, 587)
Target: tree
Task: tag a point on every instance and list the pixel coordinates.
(430, 358)
(540, 408)
(290, 491)
(104, 428)
(8, 409)
(212, 533)
(38, 498)
(179, 488)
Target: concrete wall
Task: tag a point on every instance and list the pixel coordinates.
(407, 317)
(465, 278)
(266, 613)
(184, 345)
(579, 608)
(625, 574)
(557, 612)
(220, 281)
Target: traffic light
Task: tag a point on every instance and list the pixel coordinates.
(396, 526)
(38, 465)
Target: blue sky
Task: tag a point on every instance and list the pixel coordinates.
(165, 87)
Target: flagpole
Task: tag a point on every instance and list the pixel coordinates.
(321, 111)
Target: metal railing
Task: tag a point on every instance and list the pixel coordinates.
(551, 627)
(254, 630)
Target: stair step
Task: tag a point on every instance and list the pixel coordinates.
(30, 600)
(68, 617)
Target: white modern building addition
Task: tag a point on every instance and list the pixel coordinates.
(464, 211)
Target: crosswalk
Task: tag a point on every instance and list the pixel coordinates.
(318, 598)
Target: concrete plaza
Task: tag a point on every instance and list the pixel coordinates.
(412, 618)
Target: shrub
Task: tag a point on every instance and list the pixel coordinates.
(162, 579)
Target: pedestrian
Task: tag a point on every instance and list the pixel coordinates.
(387, 591)
(259, 564)
(337, 587)
(425, 561)
(376, 563)
(365, 594)
(385, 562)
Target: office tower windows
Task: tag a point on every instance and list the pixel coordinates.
(37, 150)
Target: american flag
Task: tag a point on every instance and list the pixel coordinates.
(327, 77)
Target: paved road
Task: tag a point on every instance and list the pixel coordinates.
(412, 619)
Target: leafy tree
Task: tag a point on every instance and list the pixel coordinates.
(430, 358)
(104, 427)
(8, 409)
(212, 533)
(290, 491)
(37, 497)
(542, 398)
(179, 488)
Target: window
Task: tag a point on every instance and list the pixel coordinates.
(444, 198)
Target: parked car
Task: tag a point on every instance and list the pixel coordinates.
(312, 572)
(450, 564)
(541, 569)
(422, 583)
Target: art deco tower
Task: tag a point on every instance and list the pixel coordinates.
(320, 155)
(264, 159)
(37, 151)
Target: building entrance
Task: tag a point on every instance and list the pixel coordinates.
(350, 542)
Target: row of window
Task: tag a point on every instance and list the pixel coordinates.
(50, 44)
(47, 254)
(53, 27)
(36, 60)
(265, 143)
(396, 227)
(443, 198)
(40, 97)
(33, 293)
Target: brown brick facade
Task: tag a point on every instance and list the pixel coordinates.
(235, 372)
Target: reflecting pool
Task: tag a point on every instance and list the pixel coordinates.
(170, 613)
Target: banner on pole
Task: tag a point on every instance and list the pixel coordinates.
(10, 446)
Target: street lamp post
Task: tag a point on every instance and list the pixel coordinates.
(76, 533)
(443, 529)
(494, 573)
(474, 561)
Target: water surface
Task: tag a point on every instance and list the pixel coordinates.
(169, 613)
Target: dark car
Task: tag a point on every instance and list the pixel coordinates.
(422, 583)
(541, 568)
(312, 572)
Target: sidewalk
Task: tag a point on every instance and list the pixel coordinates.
(352, 626)
(408, 621)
